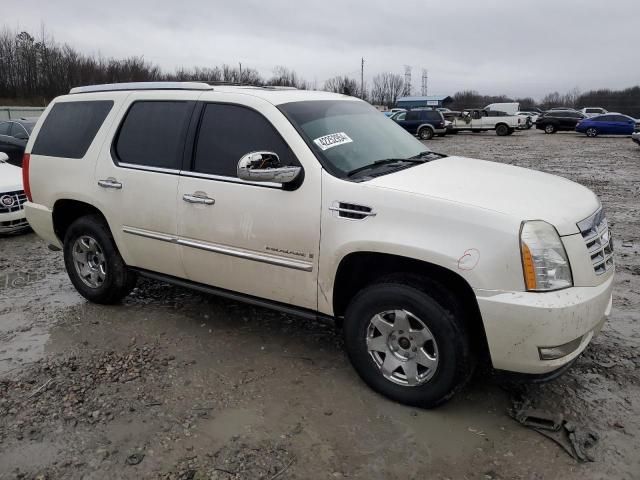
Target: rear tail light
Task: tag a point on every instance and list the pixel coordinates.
(25, 176)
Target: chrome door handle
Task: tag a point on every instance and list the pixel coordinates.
(197, 198)
(110, 183)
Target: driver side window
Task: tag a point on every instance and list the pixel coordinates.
(228, 132)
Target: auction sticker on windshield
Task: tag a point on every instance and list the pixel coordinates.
(332, 140)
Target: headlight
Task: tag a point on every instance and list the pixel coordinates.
(544, 259)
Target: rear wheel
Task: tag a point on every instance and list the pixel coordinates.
(550, 128)
(502, 130)
(425, 133)
(592, 132)
(407, 343)
(93, 262)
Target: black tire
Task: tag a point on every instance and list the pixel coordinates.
(453, 132)
(511, 130)
(502, 130)
(425, 133)
(592, 132)
(118, 280)
(441, 134)
(550, 128)
(438, 310)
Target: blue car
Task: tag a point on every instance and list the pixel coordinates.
(607, 124)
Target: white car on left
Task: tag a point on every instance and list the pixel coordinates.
(12, 198)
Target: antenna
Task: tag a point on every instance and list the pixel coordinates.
(425, 77)
(407, 81)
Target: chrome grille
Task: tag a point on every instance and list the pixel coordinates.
(597, 237)
(12, 201)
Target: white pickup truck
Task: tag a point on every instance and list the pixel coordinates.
(317, 205)
(481, 120)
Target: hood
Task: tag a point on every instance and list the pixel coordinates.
(519, 192)
(10, 177)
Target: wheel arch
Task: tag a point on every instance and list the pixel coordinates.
(66, 211)
(357, 270)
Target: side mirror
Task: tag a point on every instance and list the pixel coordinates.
(4, 157)
(265, 167)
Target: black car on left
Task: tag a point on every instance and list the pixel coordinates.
(14, 135)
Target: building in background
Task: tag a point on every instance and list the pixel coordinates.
(433, 101)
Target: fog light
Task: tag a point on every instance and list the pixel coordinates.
(553, 353)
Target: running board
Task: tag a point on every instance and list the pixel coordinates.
(239, 297)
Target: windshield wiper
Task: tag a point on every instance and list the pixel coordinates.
(428, 153)
(385, 161)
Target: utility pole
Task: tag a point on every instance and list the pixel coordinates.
(240, 79)
(362, 79)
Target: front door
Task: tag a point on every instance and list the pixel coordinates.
(259, 239)
(138, 180)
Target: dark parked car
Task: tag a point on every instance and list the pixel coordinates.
(422, 122)
(607, 124)
(554, 121)
(14, 135)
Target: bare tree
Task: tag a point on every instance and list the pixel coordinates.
(340, 84)
(386, 89)
(284, 77)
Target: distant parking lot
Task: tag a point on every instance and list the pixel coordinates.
(174, 384)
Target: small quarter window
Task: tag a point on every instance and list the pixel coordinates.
(4, 128)
(152, 134)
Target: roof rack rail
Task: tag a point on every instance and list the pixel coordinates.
(111, 87)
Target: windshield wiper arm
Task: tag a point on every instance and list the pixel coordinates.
(428, 153)
(384, 161)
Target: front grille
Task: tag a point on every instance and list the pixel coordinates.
(597, 237)
(12, 201)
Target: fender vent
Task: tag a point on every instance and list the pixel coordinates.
(352, 210)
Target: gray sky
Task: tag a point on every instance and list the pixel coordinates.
(514, 47)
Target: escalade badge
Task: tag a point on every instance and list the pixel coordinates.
(6, 201)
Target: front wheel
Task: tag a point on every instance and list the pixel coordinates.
(425, 133)
(592, 132)
(550, 129)
(407, 345)
(93, 262)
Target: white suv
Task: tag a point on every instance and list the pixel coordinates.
(315, 204)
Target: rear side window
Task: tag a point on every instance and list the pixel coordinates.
(4, 128)
(228, 132)
(432, 116)
(70, 128)
(152, 134)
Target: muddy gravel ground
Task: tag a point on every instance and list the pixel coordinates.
(173, 384)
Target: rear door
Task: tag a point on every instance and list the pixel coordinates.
(621, 125)
(138, 176)
(413, 121)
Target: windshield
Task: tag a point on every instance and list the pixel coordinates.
(348, 135)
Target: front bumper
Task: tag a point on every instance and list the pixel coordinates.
(13, 222)
(521, 325)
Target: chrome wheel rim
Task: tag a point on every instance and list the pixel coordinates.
(402, 347)
(549, 129)
(89, 261)
(591, 132)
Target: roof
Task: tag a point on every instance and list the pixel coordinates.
(439, 98)
(274, 95)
